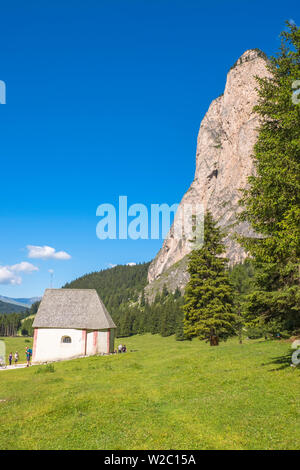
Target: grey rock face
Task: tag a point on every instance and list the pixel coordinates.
(223, 159)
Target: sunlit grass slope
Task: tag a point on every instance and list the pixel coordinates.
(162, 395)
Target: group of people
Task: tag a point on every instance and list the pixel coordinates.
(10, 358)
(28, 353)
(121, 348)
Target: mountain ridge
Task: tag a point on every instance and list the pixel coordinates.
(8, 308)
(21, 302)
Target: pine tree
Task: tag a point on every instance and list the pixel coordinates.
(177, 293)
(208, 311)
(179, 328)
(143, 300)
(168, 320)
(126, 324)
(179, 332)
(272, 202)
(164, 292)
(156, 313)
(241, 277)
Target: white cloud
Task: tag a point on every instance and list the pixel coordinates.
(9, 274)
(24, 267)
(8, 277)
(46, 252)
(110, 265)
(131, 264)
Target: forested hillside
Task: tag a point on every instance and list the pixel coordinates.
(115, 286)
(121, 289)
(6, 307)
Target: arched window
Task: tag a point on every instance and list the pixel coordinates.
(66, 339)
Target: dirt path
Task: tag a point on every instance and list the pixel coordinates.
(13, 367)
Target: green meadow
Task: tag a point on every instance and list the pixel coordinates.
(162, 394)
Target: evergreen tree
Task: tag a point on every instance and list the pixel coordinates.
(155, 319)
(179, 326)
(26, 328)
(165, 292)
(143, 300)
(208, 295)
(168, 321)
(242, 279)
(177, 293)
(10, 323)
(272, 202)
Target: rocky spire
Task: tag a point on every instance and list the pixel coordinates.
(223, 158)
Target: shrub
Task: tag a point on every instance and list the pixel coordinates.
(254, 332)
(45, 369)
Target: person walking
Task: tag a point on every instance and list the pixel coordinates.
(16, 357)
(124, 349)
(120, 348)
(10, 358)
(28, 356)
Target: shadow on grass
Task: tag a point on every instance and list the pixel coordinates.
(283, 362)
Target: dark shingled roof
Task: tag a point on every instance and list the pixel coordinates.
(72, 308)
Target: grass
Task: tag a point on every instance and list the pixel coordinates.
(14, 344)
(162, 395)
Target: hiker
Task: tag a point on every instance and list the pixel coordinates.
(28, 353)
(120, 348)
(124, 348)
(16, 357)
(10, 358)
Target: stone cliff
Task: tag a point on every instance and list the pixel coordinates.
(223, 160)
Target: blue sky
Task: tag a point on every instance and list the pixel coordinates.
(105, 98)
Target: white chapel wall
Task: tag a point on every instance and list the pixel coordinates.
(49, 346)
